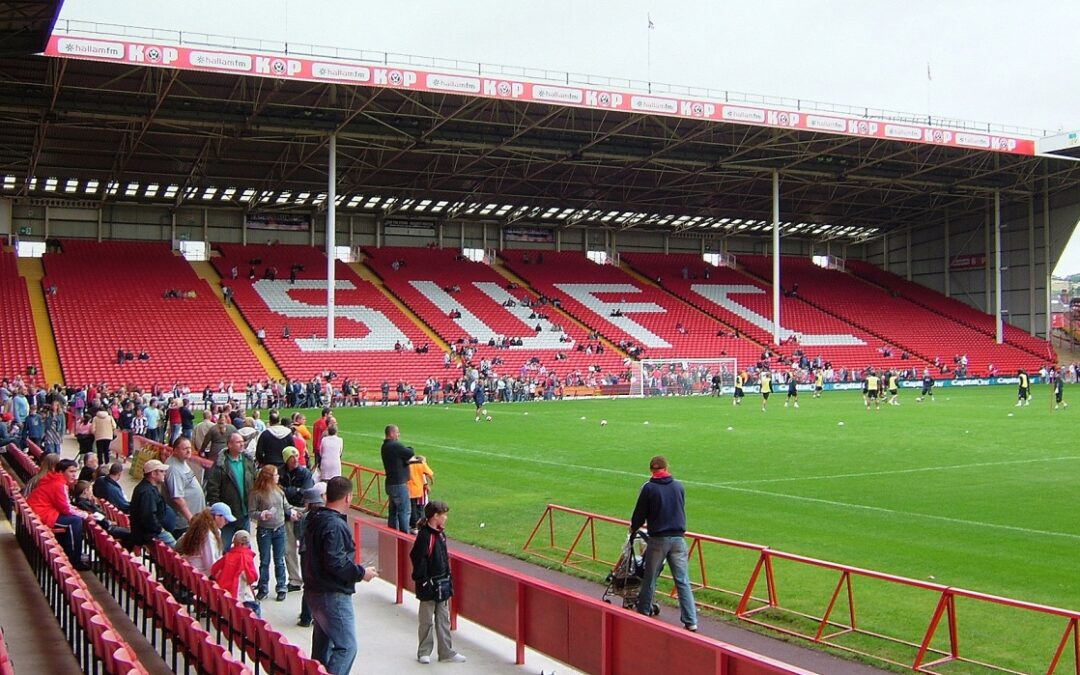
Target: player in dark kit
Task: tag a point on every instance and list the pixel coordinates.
(1059, 390)
(716, 382)
(1023, 393)
(792, 390)
(927, 386)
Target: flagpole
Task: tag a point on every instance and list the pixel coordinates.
(648, 51)
(929, 81)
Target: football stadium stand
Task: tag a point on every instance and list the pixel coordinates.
(746, 303)
(436, 283)
(922, 332)
(375, 340)
(626, 310)
(949, 307)
(18, 349)
(119, 298)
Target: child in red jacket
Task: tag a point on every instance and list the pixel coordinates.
(235, 571)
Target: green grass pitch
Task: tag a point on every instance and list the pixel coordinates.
(966, 490)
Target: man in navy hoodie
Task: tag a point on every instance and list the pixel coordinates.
(661, 506)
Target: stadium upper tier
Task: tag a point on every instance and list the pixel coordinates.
(746, 303)
(626, 310)
(367, 326)
(922, 332)
(436, 283)
(19, 348)
(134, 297)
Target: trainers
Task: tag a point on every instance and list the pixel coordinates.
(456, 658)
(261, 595)
(424, 659)
(280, 596)
(692, 627)
(294, 587)
(303, 624)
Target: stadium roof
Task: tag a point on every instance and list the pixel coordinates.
(118, 114)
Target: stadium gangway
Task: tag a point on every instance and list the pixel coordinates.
(583, 632)
(827, 629)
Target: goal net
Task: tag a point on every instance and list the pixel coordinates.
(681, 377)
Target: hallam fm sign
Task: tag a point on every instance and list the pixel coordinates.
(313, 69)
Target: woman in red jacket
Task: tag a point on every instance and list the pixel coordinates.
(50, 501)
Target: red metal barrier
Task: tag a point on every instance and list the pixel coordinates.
(367, 488)
(583, 632)
(823, 628)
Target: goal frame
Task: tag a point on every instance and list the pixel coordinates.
(701, 383)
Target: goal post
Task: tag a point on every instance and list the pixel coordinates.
(681, 377)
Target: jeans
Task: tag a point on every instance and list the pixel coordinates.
(333, 639)
(174, 432)
(72, 540)
(397, 515)
(271, 539)
(229, 530)
(675, 551)
(166, 538)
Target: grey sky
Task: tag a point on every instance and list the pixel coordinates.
(990, 60)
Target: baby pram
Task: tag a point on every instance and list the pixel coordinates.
(624, 580)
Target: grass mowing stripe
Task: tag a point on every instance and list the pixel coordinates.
(734, 487)
(894, 472)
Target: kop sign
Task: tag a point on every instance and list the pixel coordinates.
(152, 54)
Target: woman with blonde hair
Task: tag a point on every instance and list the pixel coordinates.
(201, 544)
(269, 509)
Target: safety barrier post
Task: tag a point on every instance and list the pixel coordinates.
(1070, 628)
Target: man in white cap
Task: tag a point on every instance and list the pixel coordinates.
(148, 506)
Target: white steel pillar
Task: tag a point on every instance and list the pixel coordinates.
(776, 256)
(1046, 256)
(947, 264)
(331, 241)
(1031, 264)
(999, 328)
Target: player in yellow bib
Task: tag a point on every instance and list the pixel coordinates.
(765, 382)
(872, 384)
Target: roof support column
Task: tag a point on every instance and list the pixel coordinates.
(331, 240)
(1031, 265)
(46, 221)
(439, 232)
(988, 254)
(945, 264)
(172, 225)
(776, 256)
(908, 252)
(1046, 255)
(999, 328)
(558, 241)
(100, 218)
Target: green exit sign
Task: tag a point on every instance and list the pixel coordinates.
(25, 231)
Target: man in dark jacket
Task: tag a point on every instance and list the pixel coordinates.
(148, 506)
(295, 479)
(330, 578)
(108, 488)
(395, 458)
(231, 480)
(273, 441)
(661, 505)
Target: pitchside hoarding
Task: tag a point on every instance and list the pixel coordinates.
(366, 74)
